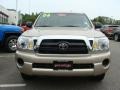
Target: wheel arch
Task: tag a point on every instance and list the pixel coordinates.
(8, 34)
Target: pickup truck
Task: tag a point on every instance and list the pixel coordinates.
(8, 37)
(63, 44)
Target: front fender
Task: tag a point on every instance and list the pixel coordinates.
(1, 36)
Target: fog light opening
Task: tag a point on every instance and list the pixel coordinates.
(105, 62)
(20, 62)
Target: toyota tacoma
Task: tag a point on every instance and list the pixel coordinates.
(63, 44)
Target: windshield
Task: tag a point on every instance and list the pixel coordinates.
(63, 20)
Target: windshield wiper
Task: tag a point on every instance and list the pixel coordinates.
(59, 26)
(70, 26)
(44, 26)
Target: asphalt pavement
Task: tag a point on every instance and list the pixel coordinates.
(10, 78)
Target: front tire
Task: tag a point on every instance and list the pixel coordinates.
(26, 77)
(11, 43)
(99, 77)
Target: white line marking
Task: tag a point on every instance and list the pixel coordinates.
(6, 56)
(12, 85)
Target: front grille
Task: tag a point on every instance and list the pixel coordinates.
(83, 66)
(50, 66)
(42, 65)
(49, 46)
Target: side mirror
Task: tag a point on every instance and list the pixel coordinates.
(29, 24)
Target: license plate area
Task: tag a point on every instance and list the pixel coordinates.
(62, 65)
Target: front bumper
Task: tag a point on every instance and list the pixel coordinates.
(30, 58)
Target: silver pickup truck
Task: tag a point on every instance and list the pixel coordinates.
(63, 44)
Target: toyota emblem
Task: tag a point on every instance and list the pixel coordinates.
(63, 46)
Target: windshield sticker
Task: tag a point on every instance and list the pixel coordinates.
(46, 15)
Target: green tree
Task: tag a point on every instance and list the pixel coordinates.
(29, 18)
(106, 20)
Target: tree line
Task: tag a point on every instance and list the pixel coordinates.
(105, 20)
(29, 17)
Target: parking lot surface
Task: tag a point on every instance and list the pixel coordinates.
(10, 78)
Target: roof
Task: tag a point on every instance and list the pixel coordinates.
(64, 12)
(4, 14)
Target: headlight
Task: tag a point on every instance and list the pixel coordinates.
(101, 44)
(25, 43)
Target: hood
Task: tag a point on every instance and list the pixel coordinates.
(9, 28)
(75, 31)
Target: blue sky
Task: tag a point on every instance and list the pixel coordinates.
(92, 8)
